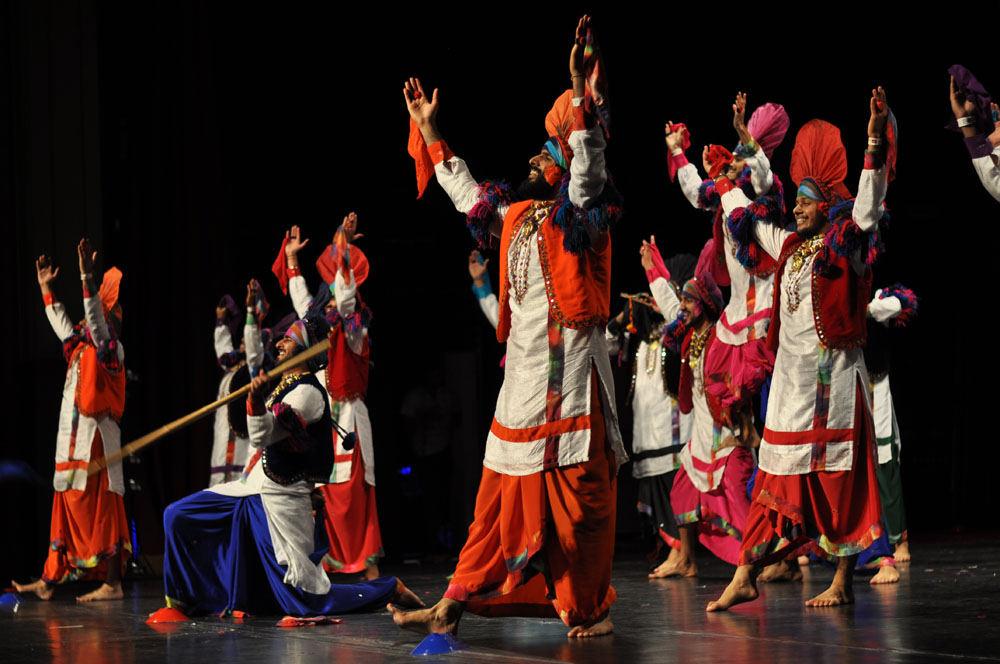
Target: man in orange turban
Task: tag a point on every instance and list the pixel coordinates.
(542, 540)
(89, 530)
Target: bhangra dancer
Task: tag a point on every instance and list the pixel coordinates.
(89, 531)
(659, 429)
(225, 544)
(542, 540)
(352, 525)
(816, 479)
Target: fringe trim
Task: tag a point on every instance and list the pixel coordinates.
(768, 208)
(360, 319)
(845, 238)
(298, 439)
(907, 298)
(491, 196)
(581, 225)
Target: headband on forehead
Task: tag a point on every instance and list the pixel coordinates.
(705, 291)
(299, 333)
(554, 146)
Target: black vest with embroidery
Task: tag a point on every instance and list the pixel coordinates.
(307, 454)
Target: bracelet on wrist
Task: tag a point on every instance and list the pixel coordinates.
(966, 121)
(875, 141)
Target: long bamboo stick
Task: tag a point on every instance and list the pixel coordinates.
(97, 465)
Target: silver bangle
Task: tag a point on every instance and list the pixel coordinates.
(966, 121)
(874, 142)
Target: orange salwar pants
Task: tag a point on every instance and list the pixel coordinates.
(541, 545)
(87, 528)
(351, 522)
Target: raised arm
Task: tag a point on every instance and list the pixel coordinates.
(659, 279)
(587, 173)
(298, 290)
(91, 302)
(54, 309)
(868, 204)
(981, 148)
(760, 167)
(687, 173)
(483, 289)
(253, 344)
(223, 338)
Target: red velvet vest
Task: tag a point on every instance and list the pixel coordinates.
(347, 371)
(578, 285)
(840, 301)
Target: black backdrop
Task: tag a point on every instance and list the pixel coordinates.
(184, 138)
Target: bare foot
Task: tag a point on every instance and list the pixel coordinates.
(40, 588)
(885, 574)
(743, 588)
(676, 564)
(599, 627)
(371, 573)
(441, 618)
(803, 561)
(406, 597)
(105, 592)
(835, 595)
(783, 570)
(902, 552)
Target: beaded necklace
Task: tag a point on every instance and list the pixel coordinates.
(520, 253)
(653, 348)
(286, 383)
(802, 258)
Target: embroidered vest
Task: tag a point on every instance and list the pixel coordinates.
(99, 393)
(307, 454)
(685, 392)
(578, 286)
(840, 300)
(347, 371)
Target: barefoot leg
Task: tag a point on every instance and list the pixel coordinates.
(679, 562)
(841, 590)
(40, 588)
(902, 552)
(743, 588)
(406, 597)
(887, 572)
(105, 592)
(599, 627)
(371, 572)
(441, 618)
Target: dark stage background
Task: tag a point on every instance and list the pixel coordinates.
(183, 138)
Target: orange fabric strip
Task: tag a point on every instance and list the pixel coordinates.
(542, 431)
(72, 465)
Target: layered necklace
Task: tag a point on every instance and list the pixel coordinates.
(653, 348)
(286, 382)
(695, 349)
(520, 253)
(801, 264)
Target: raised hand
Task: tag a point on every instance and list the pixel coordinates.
(675, 139)
(295, 242)
(258, 388)
(576, 56)
(704, 160)
(423, 109)
(960, 106)
(879, 113)
(221, 313)
(350, 226)
(477, 269)
(739, 117)
(646, 253)
(46, 273)
(87, 256)
(251, 294)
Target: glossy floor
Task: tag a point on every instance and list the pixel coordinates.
(946, 607)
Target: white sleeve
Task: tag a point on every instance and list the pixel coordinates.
(347, 300)
(613, 342)
(690, 182)
(666, 299)
(770, 237)
(491, 309)
(307, 402)
(454, 177)
(868, 207)
(760, 172)
(223, 341)
(299, 292)
(989, 174)
(587, 174)
(94, 314)
(253, 346)
(884, 309)
(59, 320)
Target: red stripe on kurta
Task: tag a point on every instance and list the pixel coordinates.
(530, 434)
(808, 437)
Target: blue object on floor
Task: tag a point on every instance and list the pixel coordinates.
(438, 644)
(11, 602)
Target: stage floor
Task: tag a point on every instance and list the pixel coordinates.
(946, 607)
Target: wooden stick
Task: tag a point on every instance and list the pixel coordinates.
(97, 465)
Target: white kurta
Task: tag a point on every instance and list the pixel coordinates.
(989, 172)
(811, 405)
(222, 433)
(748, 294)
(76, 431)
(883, 310)
(289, 507)
(657, 421)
